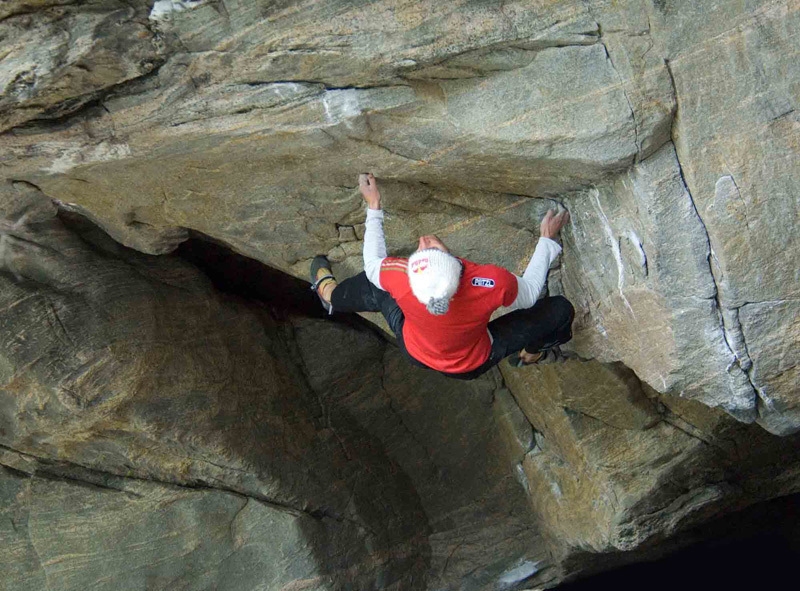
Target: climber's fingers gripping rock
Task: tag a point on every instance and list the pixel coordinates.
(553, 223)
(369, 190)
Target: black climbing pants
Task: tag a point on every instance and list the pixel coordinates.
(546, 324)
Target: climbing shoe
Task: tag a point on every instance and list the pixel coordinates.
(549, 355)
(320, 263)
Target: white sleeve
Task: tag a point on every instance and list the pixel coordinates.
(374, 246)
(532, 282)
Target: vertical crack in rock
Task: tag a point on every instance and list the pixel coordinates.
(235, 517)
(731, 335)
(637, 243)
(636, 140)
(734, 336)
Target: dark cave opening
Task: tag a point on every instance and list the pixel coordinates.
(757, 547)
(236, 274)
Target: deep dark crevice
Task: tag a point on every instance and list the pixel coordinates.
(87, 484)
(756, 548)
(235, 274)
(320, 83)
(15, 472)
(248, 278)
(284, 295)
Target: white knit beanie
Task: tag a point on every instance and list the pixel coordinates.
(434, 276)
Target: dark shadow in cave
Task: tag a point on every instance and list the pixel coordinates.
(400, 533)
(285, 295)
(237, 274)
(756, 548)
(358, 511)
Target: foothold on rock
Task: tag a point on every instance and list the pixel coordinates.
(347, 234)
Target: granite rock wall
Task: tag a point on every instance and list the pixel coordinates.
(130, 386)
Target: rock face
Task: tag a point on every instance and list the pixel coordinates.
(130, 387)
(130, 374)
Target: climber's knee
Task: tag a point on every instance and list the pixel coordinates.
(562, 309)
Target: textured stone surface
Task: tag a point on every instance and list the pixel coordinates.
(57, 58)
(128, 365)
(772, 333)
(258, 116)
(370, 469)
(668, 128)
(636, 262)
(450, 438)
(737, 138)
(615, 464)
(145, 535)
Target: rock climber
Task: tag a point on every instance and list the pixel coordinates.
(439, 305)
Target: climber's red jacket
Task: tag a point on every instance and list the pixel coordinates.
(458, 341)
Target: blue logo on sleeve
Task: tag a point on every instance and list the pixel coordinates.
(482, 282)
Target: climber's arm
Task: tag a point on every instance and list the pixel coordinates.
(532, 282)
(374, 241)
(374, 246)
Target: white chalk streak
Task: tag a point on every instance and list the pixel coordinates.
(520, 573)
(614, 249)
(163, 8)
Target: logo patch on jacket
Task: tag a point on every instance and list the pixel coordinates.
(482, 282)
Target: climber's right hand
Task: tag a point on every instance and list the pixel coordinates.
(369, 190)
(553, 222)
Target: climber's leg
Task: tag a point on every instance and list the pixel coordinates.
(547, 324)
(358, 294)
